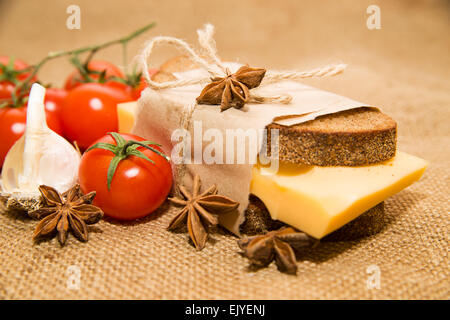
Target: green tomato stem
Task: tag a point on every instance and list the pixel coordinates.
(25, 84)
(122, 150)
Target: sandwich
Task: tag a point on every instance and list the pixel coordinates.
(334, 171)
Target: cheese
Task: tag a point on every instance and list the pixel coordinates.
(319, 200)
(127, 115)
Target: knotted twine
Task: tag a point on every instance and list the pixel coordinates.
(216, 69)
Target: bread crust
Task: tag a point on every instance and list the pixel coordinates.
(178, 64)
(348, 138)
(258, 221)
(367, 224)
(162, 76)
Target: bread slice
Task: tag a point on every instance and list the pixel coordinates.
(257, 218)
(258, 221)
(369, 223)
(162, 76)
(353, 137)
(178, 64)
(348, 138)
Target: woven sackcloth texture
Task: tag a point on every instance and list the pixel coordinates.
(141, 260)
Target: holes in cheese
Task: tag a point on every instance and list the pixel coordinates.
(319, 200)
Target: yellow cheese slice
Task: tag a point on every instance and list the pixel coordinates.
(127, 114)
(319, 200)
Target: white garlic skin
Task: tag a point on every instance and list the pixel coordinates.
(40, 156)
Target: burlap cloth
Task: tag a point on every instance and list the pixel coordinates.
(405, 73)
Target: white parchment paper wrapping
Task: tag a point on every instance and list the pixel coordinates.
(160, 112)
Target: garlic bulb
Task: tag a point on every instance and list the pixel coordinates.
(39, 157)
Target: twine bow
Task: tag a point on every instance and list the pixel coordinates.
(216, 68)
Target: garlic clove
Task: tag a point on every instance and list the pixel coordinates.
(39, 157)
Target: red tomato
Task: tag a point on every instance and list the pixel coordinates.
(54, 100)
(138, 186)
(90, 112)
(73, 80)
(53, 122)
(7, 87)
(118, 85)
(135, 93)
(12, 126)
(18, 65)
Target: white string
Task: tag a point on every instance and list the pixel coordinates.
(327, 71)
(183, 46)
(208, 44)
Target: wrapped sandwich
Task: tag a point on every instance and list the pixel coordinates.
(288, 153)
(334, 171)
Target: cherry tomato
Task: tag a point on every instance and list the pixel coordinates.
(54, 122)
(135, 93)
(7, 87)
(18, 65)
(12, 126)
(73, 80)
(54, 100)
(118, 85)
(138, 186)
(90, 112)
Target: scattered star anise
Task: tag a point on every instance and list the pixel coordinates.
(232, 91)
(200, 208)
(276, 245)
(61, 212)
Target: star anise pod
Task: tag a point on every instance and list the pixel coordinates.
(232, 91)
(276, 245)
(61, 212)
(200, 208)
